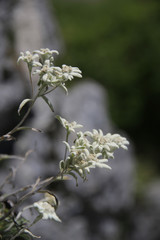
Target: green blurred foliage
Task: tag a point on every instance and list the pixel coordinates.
(118, 44)
(7, 232)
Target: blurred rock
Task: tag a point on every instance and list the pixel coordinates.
(36, 29)
(12, 89)
(147, 215)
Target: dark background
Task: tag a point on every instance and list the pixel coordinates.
(117, 43)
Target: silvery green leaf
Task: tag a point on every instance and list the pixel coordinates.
(78, 171)
(23, 103)
(75, 177)
(6, 156)
(67, 145)
(64, 87)
(67, 163)
(29, 128)
(61, 165)
(48, 103)
(30, 233)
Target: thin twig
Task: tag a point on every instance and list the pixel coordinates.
(36, 187)
(14, 170)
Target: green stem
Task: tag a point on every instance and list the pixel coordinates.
(30, 78)
(50, 90)
(67, 136)
(15, 129)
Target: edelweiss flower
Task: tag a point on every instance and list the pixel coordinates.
(81, 159)
(47, 210)
(29, 59)
(46, 51)
(46, 54)
(90, 150)
(90, 160)
(68, 72)
(45, 69)
(69, 126)
(106, 143)
(49, 75)
(46, 74)
(117, 139)
(82, 141)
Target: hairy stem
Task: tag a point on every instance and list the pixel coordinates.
(67, 136)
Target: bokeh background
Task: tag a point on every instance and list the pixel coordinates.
(116, 45)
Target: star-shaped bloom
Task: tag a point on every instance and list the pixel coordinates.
(68, 72)
(70, 126)
(46, 51)
(106, 143)
(29, 59)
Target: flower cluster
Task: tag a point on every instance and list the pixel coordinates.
(90, 150)
(49, 74)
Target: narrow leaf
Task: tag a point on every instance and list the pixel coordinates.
(29, 128)
(48, 103)
(75, 177)
(31, 234)
(5, 156)
(22, 104)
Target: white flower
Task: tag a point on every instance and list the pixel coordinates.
(46, 51)
(92, 160)
(30, 59)
(106, 143)
(47, 211)
(68, 72)
(90, 150)
(49, 75)
(120, 141)
(46, 54)
(46, 74)
(46, 68)
(82, 142)
(81, 158)
(69, 126)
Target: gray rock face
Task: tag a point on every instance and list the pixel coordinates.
(12, 89)
(36, 29)
(20, 32)
(147, 217)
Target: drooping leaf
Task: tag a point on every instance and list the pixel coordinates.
(23, 103)
(61, 165)
(75, 177)
(48, 103)
(6, 156)
(29, 128)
